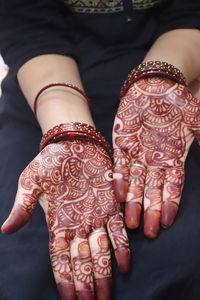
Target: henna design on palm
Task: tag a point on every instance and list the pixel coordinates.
(155, 125)
(73, 181)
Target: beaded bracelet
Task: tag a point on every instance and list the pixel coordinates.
(69, 85)
(151, 69)
(66, 130)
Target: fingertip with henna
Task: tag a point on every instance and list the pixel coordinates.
(17, 219)
(120, 187)
(168, 214)
(132, 214)
(151, 223)
(123, 257)
(85, 295)
(103, 288)
(66, 291)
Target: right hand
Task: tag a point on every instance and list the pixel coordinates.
(73, 181)
(156, 122)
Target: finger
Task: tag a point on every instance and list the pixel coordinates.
(134, 198)
(152, 201)
(119, 239)
(101, 258)
(25, 202)
(173, 185)
(121, 174)
(61, 265)
(82, 269)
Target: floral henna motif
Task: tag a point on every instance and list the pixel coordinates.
(102, 264)
(101, 258)
(83, 270)
(155, 126)
(82, 267)
(102, 261)
(99, 245)
(60, 260)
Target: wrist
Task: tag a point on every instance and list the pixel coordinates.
(57, 110)
(151, 69)
(73, 130)
(59, 104)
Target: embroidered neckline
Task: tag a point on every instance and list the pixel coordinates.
(107, 6)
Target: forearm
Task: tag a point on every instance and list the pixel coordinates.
(57, 104)
(181, 48)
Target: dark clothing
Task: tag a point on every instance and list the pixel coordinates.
(34, 27)
(106, 47)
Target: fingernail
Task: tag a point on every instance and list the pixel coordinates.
(120, 187)
(123, 257)
(66, 291)
(103, 288)
(85, 295)
(151, 223)
(132, 214)
(169, 212)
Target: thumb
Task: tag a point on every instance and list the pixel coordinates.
(22, 210)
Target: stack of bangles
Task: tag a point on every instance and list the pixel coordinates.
(153, 69)
(76, 129)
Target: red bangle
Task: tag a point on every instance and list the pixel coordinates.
(63, 131)
(69, 85)
(153, 69)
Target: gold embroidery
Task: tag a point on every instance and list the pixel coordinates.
(106, 6)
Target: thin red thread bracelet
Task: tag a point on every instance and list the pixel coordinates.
(69, 85)
(153, 68)
(66, 130)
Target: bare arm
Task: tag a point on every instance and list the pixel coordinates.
(57, 104)
(181, 48)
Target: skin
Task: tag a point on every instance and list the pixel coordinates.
(73, 182)
(155, 125)
(60, 105)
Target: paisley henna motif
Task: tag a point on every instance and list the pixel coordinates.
(154, 126)
(73, 180)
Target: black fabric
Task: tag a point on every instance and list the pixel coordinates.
(31, 28)
(108, 48)
(176, 14)
(35, 27)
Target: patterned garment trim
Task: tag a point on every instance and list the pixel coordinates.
(107, 6)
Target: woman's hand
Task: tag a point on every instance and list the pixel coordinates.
(153, 130)
(73, 181)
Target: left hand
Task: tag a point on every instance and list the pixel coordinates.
(156, 122)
